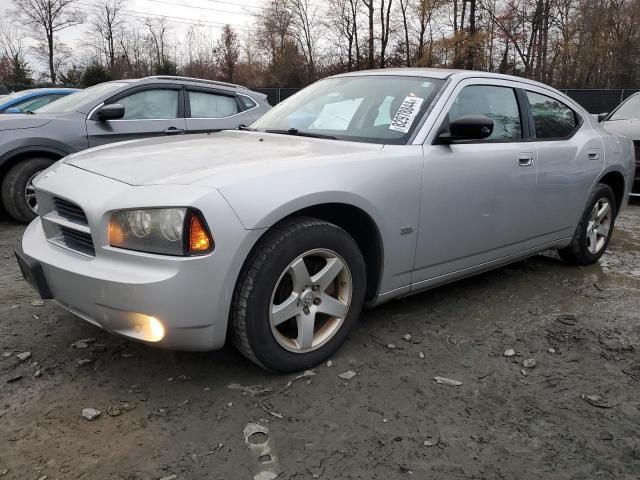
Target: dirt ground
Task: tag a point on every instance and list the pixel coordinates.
(176, 417)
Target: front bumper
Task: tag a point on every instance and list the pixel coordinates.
(121, 291)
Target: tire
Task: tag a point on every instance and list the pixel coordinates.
(270, 279)
(580, 250)
(14, 185)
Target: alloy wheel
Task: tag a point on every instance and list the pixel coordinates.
(598, 226)
(310, 300)
(30, 194)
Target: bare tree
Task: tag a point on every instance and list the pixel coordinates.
(46, 18)
(228, 53)
(385, 30)
(304, 19)
(158, 31)
(342, 16)
(404, 7)
(371, 10)
(12, 52)
(107, 24)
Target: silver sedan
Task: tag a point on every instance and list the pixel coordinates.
(362, 188)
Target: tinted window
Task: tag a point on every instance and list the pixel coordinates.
(150, 104)
(211, 105)
(381, 109)
(247, 102)
(497, 103)
(553, 119)
(36, 103)
(32, 104)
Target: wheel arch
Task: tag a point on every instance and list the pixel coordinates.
(615, 180)
(356, 221)
(13, 157)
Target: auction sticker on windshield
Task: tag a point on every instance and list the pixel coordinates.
(406, 114)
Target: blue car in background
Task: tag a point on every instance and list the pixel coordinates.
(27, 101)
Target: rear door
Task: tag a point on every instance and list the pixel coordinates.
(210, 110)
(150, 111)
(570, 158)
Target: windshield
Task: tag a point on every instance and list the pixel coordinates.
(73, 102)
(628, 110)
(376, 109)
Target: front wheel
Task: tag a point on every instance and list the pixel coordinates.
(593, 233)
(18, 192)
(300, 293)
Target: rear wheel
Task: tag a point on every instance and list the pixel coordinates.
(298, 296)
(18, 192)
(593, 233)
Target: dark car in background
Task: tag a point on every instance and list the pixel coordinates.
(625, 120)
(27, 101)
(113, 112)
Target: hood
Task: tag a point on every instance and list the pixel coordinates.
(628, 128)
(16, 121)
(210, 159)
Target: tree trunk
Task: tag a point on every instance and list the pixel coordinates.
(52, 68)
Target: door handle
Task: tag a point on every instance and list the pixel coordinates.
(525, 160)
(594, 155)
(173, 131)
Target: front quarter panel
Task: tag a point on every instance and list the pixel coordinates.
(385, 183)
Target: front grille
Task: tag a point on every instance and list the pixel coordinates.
(69, 210)
(77, 240)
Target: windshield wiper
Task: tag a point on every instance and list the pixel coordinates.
(298, 133)
(245, 128)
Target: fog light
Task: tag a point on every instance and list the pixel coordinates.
(156, 330)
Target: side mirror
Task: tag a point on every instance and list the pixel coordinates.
(467, 127)
(112, 111)
(13, 110)
(602, 116)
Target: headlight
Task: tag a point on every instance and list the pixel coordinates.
(168, 231)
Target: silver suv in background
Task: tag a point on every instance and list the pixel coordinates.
(625, 120)
(113, 112)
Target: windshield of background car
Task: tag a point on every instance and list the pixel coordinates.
(72, 102)
(381, 109)
(629, 110)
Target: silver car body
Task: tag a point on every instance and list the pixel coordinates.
(441, 213)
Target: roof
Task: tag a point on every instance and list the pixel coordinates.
(33, 91)
(441, 73)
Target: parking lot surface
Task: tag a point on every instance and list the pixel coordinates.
(574, 415)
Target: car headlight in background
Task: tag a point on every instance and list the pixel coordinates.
(167, 231)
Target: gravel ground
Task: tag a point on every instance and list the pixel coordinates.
(186, 416)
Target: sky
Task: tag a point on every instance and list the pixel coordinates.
(181, 14)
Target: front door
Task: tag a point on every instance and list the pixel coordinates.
(477, 196)
(149, 112)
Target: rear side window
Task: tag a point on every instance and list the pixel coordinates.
(553, 119)
(211, 105)
(247, 101)
(497, 103)
(150, 105)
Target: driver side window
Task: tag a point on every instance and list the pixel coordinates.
(497, 103)
(150, 105)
